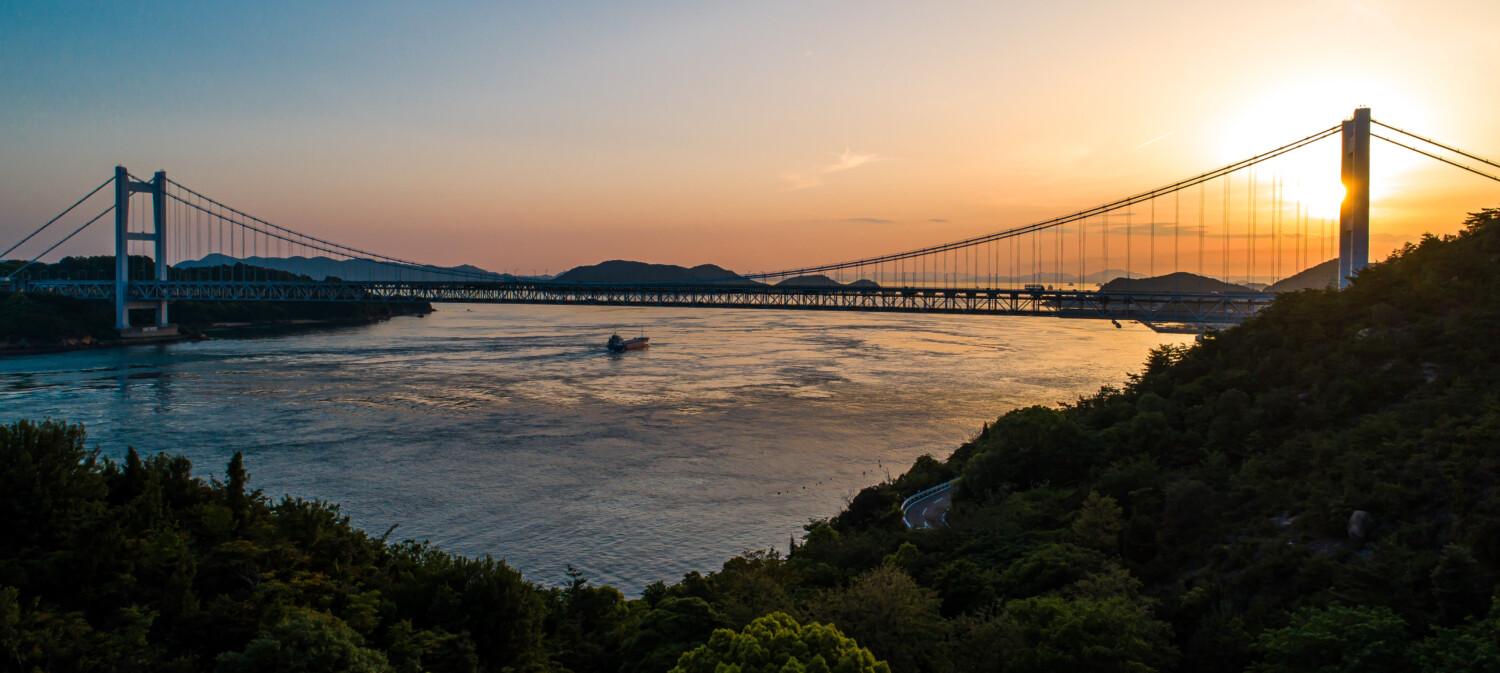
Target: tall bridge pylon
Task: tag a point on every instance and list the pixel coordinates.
(1354, 212)
(124, 187)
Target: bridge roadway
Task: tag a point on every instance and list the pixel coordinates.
(1154, 307)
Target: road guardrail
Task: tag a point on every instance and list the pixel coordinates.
(922, 494)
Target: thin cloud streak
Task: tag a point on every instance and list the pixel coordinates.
(849, 160)
(1163, 136)
(846, 161)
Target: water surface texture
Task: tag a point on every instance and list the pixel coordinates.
(509, 430)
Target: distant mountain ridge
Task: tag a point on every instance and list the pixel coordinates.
(1319, 277)
(320, 268)
(820, 280)
(623, 271)
(1181, 281)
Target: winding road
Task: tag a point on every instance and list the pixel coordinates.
(927, 512)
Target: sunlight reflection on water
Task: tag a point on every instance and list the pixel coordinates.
(509, 430)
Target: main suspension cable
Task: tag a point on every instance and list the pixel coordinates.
(65, 239)
(1455, 150)
(326, 246)
(1108, 207)
(1434, 156)
(60, 216)
(336, 248)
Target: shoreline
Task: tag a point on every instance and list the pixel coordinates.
(193, 332)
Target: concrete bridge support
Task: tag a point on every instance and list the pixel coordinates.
(124, 187)
(1354, 214)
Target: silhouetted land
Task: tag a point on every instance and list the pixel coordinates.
(1320, 277)
(40, 321)
(622, 271)
(1180, 281)
(820, 280)
(1317, 489)
(322, 268)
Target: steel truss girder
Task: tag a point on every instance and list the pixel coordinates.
(1150, 307)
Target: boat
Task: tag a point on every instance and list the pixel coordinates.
(619, 345)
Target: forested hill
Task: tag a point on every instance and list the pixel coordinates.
(1317, 489)
(1314, 490)
(1180, 281)
(622, 271)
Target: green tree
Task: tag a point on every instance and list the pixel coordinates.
(49, 484)
(1059, 635)
(776, 643)
(1027, 447)
(431, 651)
(1098, 523)
(893, 615)
(1472, 648)
(583, 625)
(751, 585)
(305, 640)
(674, 626)
(964, 587)
(1337, 639)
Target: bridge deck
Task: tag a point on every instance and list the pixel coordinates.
(1161, 307)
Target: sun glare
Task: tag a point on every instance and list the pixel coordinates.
(1296, 110)
(1319, 199)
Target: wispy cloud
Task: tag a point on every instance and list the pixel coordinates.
(846, 161)
(849, 160)
(870, 220)
(938, 220)
(1163, 136)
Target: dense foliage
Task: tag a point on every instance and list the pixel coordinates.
(140, 566)
(776, 643)
(1315, 490)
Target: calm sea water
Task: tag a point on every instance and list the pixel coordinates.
(509, 430)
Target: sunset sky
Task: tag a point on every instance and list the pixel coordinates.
(752, 135)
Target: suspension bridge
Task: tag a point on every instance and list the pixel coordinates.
(1207, 249)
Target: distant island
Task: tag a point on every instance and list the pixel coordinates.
(622, 271)
(820, 280)
(1181, 281)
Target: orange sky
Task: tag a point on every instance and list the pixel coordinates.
(754, 136)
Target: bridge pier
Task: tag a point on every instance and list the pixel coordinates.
(124, 187)
(1354, 213)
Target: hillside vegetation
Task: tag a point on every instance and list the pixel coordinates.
(1315, 490)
